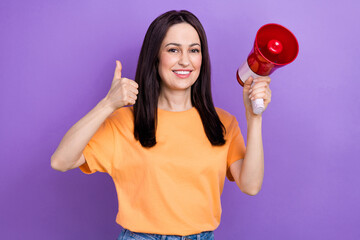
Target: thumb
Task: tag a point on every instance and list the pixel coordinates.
(248, 82)
(118, 68)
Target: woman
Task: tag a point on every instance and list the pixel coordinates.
(168, 154)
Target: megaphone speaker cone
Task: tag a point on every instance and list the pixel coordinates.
(275, 46)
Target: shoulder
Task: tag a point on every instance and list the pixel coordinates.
(228, 120)
(123, 111)
(122, 115)
(225, 117)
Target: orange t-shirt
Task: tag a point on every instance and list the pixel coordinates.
(173, 188)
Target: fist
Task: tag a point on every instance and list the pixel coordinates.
(123, 91)
(254, 89)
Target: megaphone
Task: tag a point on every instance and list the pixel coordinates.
(274, 47)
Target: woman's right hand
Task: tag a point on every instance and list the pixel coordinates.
(123, 91)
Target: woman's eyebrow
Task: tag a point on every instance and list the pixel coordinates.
(179, 45)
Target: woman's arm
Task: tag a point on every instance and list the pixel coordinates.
(68, 154)
(249, 172)
(252, 169)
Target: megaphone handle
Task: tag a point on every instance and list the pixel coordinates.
(244, 73)
(258, 105)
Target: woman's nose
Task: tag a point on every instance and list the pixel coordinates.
(184, 59)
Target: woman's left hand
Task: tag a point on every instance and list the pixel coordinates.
(260, 89)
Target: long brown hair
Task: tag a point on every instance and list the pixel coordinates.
(148, 79)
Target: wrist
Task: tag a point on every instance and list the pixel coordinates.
(252, 118)
(250, 115)
(106, 105)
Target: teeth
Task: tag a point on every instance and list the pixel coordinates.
(182, 72)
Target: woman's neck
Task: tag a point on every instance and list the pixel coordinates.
(175, 101)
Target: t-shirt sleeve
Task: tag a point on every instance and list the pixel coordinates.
(99, 151)
(236, 148)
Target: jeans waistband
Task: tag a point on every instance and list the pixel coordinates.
(126, 234)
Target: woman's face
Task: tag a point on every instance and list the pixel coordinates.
(180, 58)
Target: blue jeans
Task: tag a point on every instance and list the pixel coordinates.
(129, 235)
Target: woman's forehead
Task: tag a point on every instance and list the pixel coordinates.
(181, 34)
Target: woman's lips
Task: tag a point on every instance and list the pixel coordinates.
(182, 73)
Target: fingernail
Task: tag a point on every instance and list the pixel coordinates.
(250, 90)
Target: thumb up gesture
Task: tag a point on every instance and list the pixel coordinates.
(123, 91)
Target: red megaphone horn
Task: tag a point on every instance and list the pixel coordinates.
(274, 47)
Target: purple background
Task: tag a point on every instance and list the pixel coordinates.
(57, 60)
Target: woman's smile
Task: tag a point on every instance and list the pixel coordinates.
(182, 73)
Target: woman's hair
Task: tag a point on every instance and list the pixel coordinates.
(148, 79)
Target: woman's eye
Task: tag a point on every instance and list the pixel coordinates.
(173, 50)
(195, 50)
